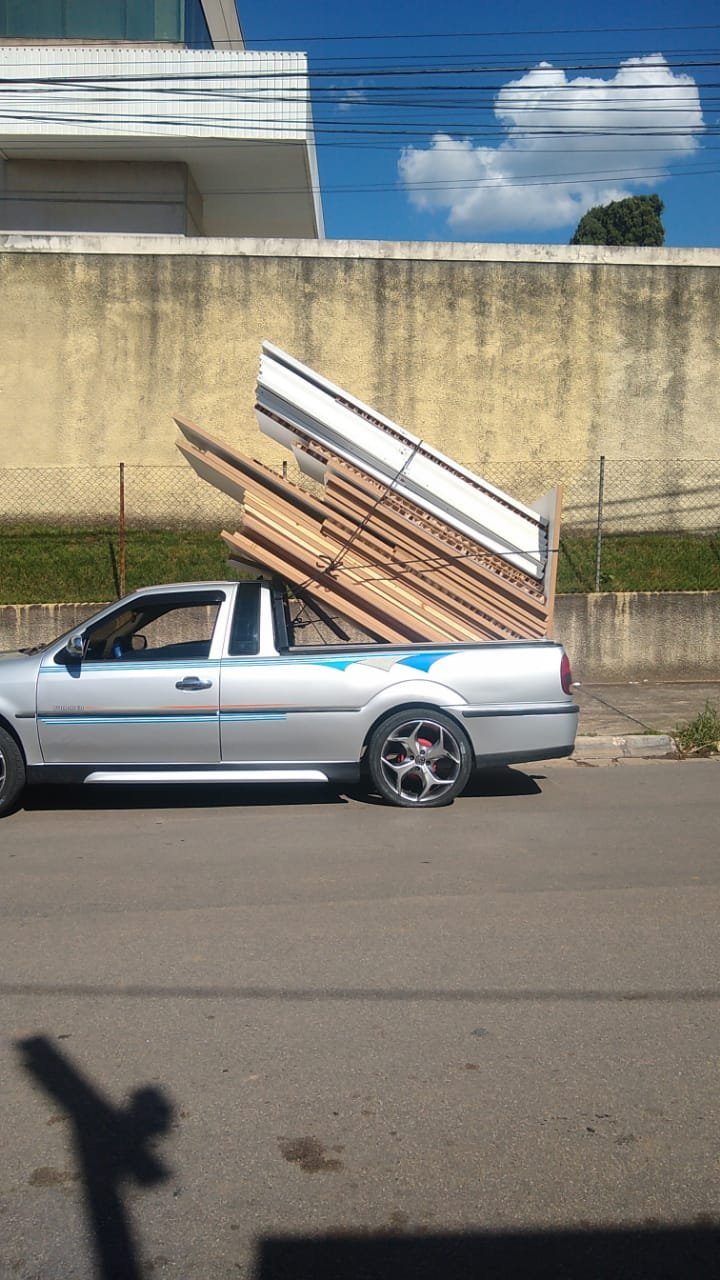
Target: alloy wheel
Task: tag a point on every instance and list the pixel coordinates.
(421, 760)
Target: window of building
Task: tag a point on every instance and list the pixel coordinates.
(131, 20)
(197, 35)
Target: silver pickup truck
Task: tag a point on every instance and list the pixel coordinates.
(205, 682)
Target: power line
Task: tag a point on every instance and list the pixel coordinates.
(586, 60)
(655, 98)
(278, 73)
(404, 127)
(668, 97)
(464, 35)
(282, 132)
(207, 85)
(169, 143)
(468, 184)
(520, 61)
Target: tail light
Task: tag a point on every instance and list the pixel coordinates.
(565, 673)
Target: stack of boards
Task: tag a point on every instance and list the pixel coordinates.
(404, 542)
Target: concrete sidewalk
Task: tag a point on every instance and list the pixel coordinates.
(641, 707)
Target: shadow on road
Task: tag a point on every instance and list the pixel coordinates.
(486, 782)
(504, 782)
(500, 781)
(112, 1146)
(622, 1254)
(144, 796)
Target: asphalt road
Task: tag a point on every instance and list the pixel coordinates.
(322, 1038)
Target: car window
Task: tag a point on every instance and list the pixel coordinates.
(156, 629)
(245, 630)
(308, 627)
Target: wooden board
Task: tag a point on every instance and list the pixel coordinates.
(369, 553)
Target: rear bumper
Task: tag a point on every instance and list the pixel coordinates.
(523, 757)
(514, 735)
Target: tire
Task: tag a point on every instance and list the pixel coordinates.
(419, 759)
(12, 772)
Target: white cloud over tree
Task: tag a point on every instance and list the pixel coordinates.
(590, 140)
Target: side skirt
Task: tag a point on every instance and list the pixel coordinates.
(342, 774)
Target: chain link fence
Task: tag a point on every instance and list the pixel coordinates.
(93, 497)
(624, 495)
(97, 531)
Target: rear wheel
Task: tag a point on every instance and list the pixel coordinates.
(12, 772)
(419, 760)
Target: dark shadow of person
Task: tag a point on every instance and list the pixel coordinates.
(112, 1147)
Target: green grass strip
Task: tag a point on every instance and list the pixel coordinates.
(47, 565)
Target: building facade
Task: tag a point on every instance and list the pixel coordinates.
(151, 117)
(195, 24)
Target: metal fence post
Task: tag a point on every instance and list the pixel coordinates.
(121, 551)
(599, 533)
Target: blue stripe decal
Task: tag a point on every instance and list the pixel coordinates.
(422, 661)
(232, 717)
(72, 721)
(90, 668)
(154, 717)
(419, 661)
(339, 664)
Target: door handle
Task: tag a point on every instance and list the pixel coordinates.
(190, 683)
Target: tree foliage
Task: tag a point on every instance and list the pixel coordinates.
(633, 221)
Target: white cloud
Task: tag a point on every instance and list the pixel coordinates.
(591, 139)
(351, 98)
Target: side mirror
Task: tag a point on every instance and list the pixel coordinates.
(75, 646)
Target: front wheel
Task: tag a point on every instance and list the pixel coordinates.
(419, 760)
(12, 772)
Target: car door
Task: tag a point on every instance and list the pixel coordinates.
(296, 707)
(146, 690)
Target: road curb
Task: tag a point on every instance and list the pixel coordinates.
(631, 746)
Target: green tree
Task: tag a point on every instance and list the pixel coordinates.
(633, 221)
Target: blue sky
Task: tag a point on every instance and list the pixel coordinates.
(538, 115)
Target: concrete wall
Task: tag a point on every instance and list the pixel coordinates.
(613, 637)
(496, 354)
(23, 625)
(635, 635)
(99, 196)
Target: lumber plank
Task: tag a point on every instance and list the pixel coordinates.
(259, 548)
(478, 582)
(356, 566)
(436, 588)
(412, 561)
(386, 502)
(280, 512)
(411, 609)
(372, 553)
(245, 473)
